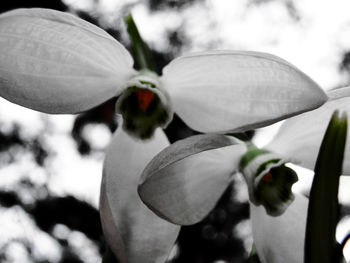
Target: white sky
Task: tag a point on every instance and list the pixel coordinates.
(313, 44)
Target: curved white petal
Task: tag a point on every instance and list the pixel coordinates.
(57, 63)
(183, 183)
(339, 93)
(300, 137)
(225, 91)
(280, 239)
(134, 233)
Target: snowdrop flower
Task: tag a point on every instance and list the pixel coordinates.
(55, 62)
(184, 181)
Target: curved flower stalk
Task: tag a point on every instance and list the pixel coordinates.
(177, 188)
(134, 233)
(55, 62)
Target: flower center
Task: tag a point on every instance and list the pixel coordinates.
(269, 180)
(144, 105)
(276, 195)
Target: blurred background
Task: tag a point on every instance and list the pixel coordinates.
(50, 166)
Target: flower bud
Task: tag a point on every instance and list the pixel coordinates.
(269, 180)
(145, 105)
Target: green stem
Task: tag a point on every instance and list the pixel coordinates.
(142, 54)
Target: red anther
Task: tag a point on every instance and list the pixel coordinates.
(144, 97)
(267, 178)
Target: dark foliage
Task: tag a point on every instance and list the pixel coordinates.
(103, 114)
(68, 210)
(12, 144)
(157, 5)
(289, 4)
(345, 63)
(10, 139)
(9, 199)
(47, 213)
(178, 130)
(13, 4)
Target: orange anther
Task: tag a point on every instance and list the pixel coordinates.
(267, 178)
(144, 97)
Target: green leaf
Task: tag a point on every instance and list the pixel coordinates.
(142, 54)
(323, 211)
(254, 257)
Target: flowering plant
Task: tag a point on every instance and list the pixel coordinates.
(184, 182)
(210, 161)
(306, 231)
(57, 63)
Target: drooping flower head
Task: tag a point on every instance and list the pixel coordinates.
(269, 181)
(185, 187)
(55, 62)
(184, 181)
(306, 231)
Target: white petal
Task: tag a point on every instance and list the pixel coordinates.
(183, 183)
(300, 137)
(225, 91)
(57, 63)
(134, 233)
(280, 239)
(339, 93)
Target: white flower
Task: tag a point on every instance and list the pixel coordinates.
(184, 181)
(55, 62)
(196, 171)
